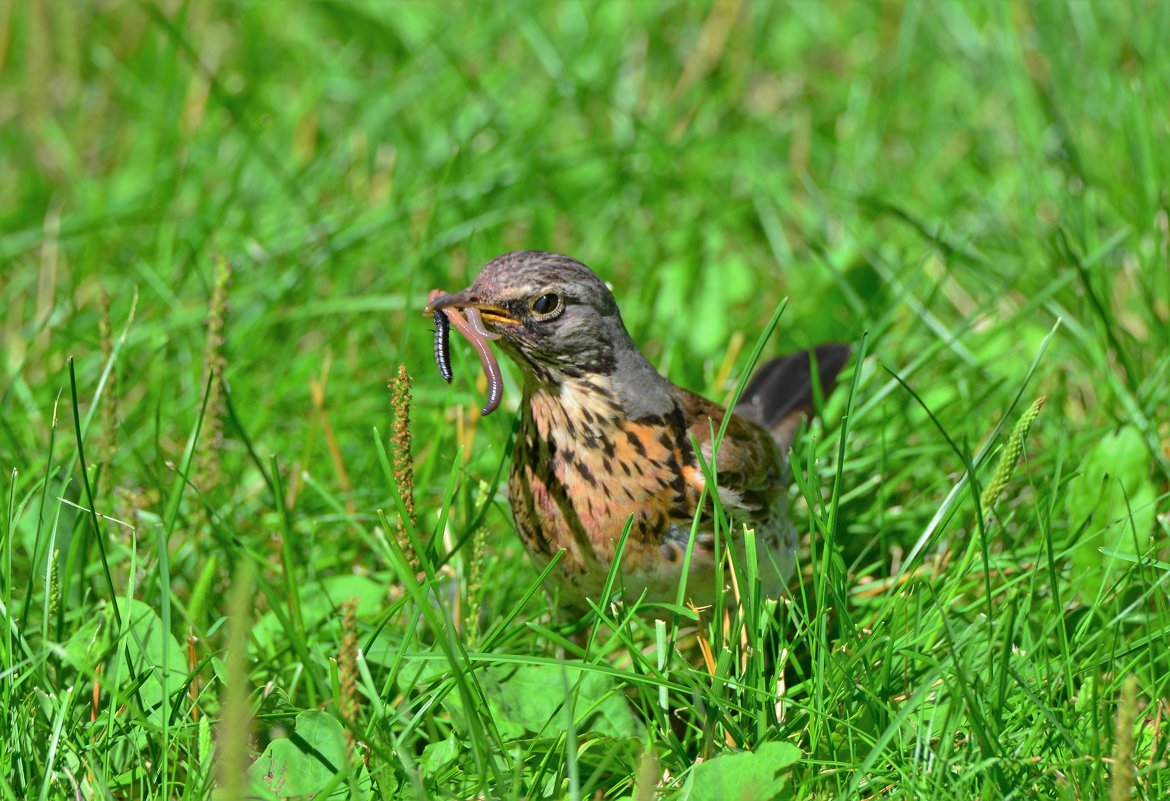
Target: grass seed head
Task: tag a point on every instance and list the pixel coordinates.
(400, 399)
(1010, 456)
(214, 367)
(347, 669)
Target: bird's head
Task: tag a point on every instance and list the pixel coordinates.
(552, 314)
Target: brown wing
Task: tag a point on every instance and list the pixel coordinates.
(750, 469)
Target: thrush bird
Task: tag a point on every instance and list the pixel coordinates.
(605, 440)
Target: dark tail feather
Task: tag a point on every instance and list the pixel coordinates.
(781, 391)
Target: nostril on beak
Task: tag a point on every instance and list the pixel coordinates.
(441, 300)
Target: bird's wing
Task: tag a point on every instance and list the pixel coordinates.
(749, 468)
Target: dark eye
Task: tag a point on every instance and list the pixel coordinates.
(546, 304)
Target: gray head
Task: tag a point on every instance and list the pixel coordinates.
(555, 317)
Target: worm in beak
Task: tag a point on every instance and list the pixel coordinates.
(446, 312)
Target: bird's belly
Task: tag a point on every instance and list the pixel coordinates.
(657, 580)
(653, 559)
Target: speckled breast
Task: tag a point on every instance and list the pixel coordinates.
(581, 471)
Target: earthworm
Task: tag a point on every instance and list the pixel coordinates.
(487, 358)
(476, 319)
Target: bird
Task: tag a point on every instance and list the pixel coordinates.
(605, 441)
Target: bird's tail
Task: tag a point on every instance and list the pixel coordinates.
(782, 390)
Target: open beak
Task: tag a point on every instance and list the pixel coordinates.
(467, 300)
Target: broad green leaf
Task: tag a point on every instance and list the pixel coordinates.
(749, 776)
(149, 647)
(436, 755)
(319, 600)
(86, 645)
(414, 670)
(308, 762)
(530, 700)
(1114, 481)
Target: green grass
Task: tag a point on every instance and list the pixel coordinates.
(973, 194)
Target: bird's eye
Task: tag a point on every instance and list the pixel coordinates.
(547, 304)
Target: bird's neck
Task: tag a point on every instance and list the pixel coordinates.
(629, 389)
(581, 409)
